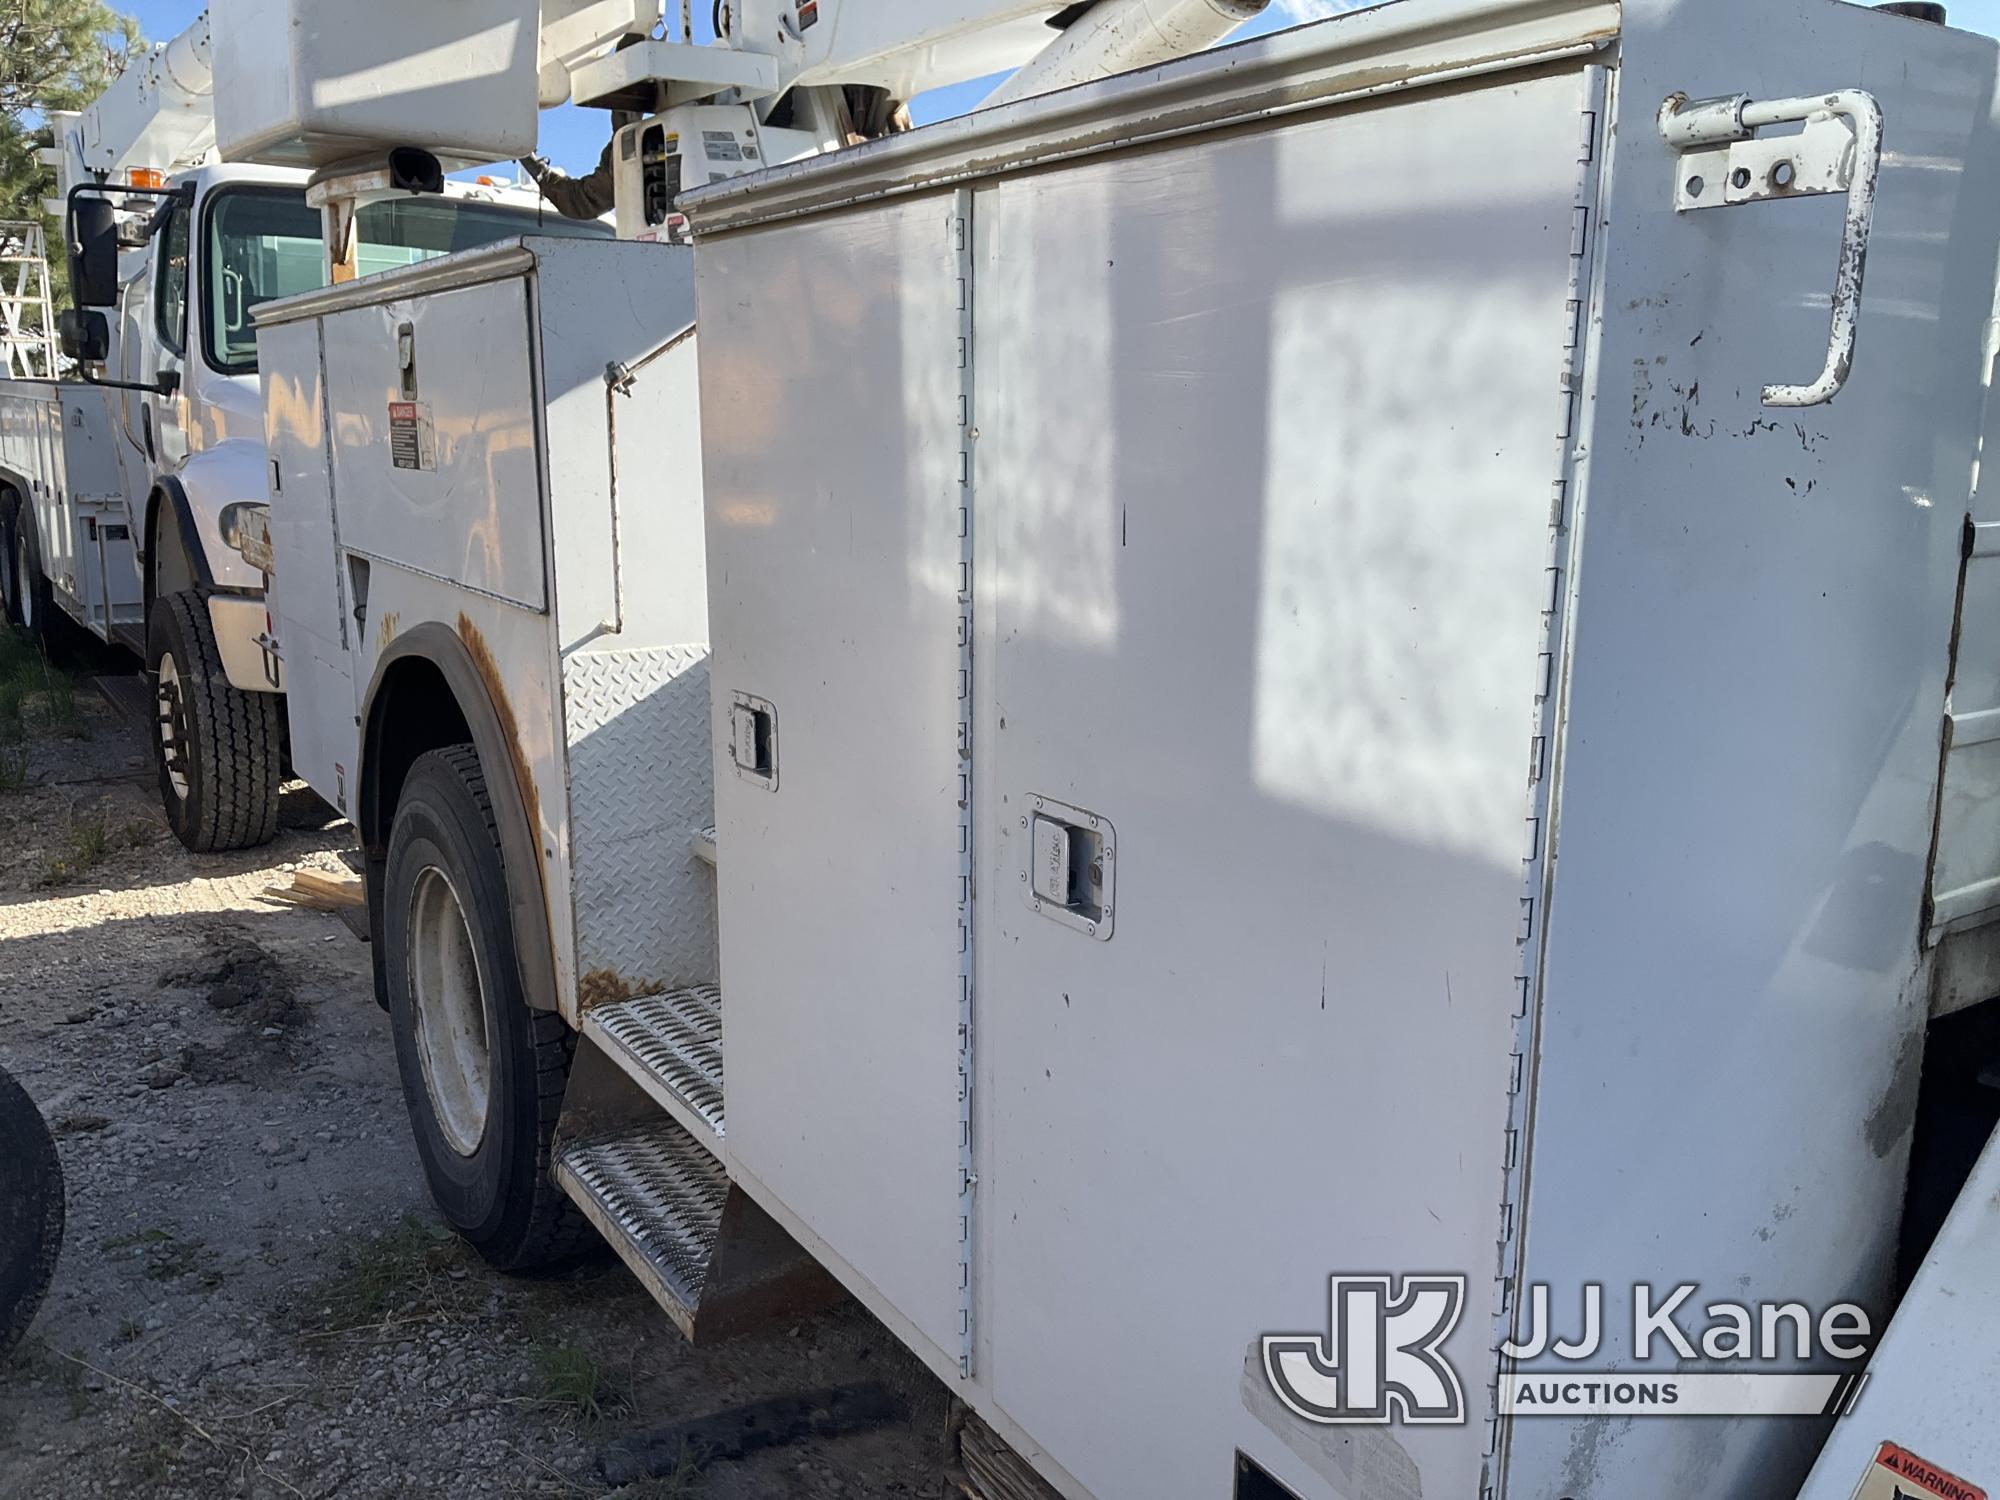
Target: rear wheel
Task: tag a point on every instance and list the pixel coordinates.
(30, 602)
(31, 1211)
(9, 612)
(218, 749)
(483, 1075)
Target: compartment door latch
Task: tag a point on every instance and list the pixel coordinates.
(1722, 160)
(1071, 875)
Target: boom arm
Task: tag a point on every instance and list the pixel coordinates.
(907, 47)
(159, 114)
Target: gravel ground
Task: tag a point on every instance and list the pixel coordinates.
(254, 1298)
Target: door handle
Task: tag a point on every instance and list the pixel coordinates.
(1721, 161)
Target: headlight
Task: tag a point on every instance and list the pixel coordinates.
(246, 528)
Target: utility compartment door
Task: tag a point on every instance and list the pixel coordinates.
(833, 551)
(307, 600)
(1268, 429)
(436, 467)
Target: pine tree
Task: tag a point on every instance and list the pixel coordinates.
(54, 54)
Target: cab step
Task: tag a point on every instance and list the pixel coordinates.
(670, 1044)
(716, 1262)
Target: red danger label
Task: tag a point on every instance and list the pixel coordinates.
(1898, 1474)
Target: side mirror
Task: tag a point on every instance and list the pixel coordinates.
(85, 335)
(93, 252)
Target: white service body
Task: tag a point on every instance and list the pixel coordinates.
(455, 484)
(1336, 472)
(59, 451)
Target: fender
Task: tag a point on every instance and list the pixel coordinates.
(166, 507)
(507, 782)
(217, 476)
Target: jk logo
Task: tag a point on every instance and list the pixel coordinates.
(1380, 1360)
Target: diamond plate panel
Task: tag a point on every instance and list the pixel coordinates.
(656, 1189)
(640, 782)
(677, 1039)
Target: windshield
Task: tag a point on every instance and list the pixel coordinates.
(264, 243)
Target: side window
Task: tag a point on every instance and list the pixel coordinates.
(170, 306)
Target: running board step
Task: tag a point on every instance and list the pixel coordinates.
(715, 1261)
(671, 1046)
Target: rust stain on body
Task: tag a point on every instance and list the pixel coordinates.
(510, 729)
(604, 986)
(524, 778)
(391, 622)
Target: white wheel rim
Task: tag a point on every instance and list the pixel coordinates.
(23, 586)
(450, 1004)
(173, 754)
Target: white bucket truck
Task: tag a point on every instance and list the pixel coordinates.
(132, 492)
(1348, 690)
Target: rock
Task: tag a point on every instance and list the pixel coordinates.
(271, 1145)
(225, 996)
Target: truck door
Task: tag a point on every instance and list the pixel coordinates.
(162, 419)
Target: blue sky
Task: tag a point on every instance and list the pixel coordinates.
(572, 138)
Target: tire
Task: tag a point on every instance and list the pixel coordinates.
(31, 1211)
(218, 749)
(10, 613)
(31, 602)
(483, 1075)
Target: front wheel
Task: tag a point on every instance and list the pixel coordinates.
(218, 749)
(483, 1075)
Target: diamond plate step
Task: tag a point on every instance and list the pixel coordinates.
(710, 1256)
(658, 1197)
(671, 1046)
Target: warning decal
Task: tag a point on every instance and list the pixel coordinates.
(412, 436)
(1898, 1474)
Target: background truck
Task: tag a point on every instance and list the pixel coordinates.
(132, 494)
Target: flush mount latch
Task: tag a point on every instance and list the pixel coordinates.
(753, 740)
(1072, 867)
(1724, 156)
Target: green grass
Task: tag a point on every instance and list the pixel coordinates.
(16, 652)
(13, 701)
(405, 1271)
(29, 680)
(61, 711)
(574, 1380)
(13, 768)
(86, 844)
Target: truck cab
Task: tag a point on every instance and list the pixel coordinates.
(181, 548)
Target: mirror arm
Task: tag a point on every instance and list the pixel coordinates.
(168, 384)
